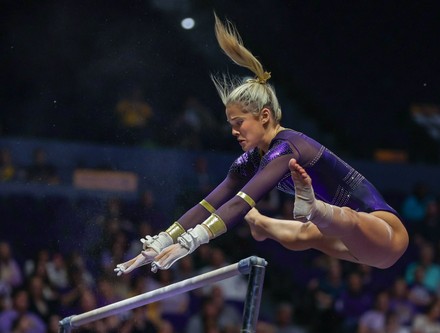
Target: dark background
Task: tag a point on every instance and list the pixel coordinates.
(352, 69)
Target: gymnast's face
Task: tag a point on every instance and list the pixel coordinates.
(248, 129)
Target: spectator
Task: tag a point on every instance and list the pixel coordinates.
(234, 288)
(41, 170)
(429, 228)
(419, 294)
(41, 258)
(392, 324)
(332, 283)
(284, 320)
(106, 293)
(194, 125)
(414, 206)
(147, 210)
(135, 117)
(173, 307)
(231, 316)
(426, 259)
(165, 327)
(79, 282)
(210, 318)
(138, 322)
(428, 321)
(373, 320)
(371, 278)
(141, 284)
(115, 250)
(115, 212)
(57, 271)
(8, 171)
(403, 308)
(88, 302)
(19, 317)
(353, 302)
(11, 275)
(54, 324)
(265, 327)
(185, 269)
(43, 293)
(41, 301)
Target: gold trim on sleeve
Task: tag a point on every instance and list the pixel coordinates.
(175, 230)
(207, 206)
(246, 198)
(215, 224)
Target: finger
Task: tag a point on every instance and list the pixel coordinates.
(162, 256)
(170, 257)
(149, 253)
(126, 264)
(165, 252)
(130, 265)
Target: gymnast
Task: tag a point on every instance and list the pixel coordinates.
(336, 210)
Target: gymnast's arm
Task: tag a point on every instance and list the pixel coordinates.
(152, 245)
(227, 215)
(234, 210)
(221, 194)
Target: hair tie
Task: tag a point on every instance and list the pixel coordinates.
(262, 80)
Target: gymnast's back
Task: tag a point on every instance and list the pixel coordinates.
(334, 180)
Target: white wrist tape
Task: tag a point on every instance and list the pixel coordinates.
(158, 242)
(193, 238)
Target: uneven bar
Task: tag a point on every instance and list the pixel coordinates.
(244, 266)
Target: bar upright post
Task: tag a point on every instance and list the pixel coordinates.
(253, 295)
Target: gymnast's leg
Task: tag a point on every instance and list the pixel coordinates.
(295, 235)
(377, 239)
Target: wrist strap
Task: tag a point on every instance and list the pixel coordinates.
(158, 242)
(193, 238)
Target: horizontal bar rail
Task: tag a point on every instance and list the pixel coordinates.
(254, 266)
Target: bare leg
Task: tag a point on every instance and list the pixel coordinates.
(377, 239)
(295, 235)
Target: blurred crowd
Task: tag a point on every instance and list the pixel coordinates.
(57, 257)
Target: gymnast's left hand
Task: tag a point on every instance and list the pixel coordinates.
(167, 257)
(186, 243)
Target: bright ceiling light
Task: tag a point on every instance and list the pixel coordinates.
(188, 23)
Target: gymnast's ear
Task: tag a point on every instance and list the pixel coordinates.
(265, 115)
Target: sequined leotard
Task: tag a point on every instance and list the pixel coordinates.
(334, 181)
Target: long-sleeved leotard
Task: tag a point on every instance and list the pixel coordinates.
(334, 181)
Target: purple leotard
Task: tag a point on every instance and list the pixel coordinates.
(334, 181)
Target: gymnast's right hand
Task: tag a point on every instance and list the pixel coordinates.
(152, 246)
(138, 261)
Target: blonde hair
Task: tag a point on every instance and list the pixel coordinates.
(253, 94)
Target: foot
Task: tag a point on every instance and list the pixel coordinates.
(305, 201)
(253, 218)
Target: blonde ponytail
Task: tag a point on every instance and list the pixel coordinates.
(254, 94)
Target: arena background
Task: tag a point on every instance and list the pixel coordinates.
(361, 77)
